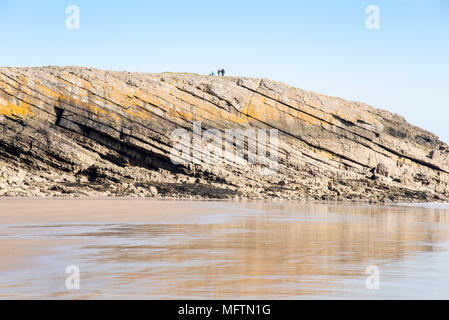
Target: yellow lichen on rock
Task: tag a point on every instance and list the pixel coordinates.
(12, 110)
(48, 91)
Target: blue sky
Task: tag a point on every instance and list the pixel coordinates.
(320, 45)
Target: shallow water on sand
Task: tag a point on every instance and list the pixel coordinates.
(222, 250)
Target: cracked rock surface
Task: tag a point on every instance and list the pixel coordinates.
(73, 131)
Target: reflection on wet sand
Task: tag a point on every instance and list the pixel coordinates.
(261, 250)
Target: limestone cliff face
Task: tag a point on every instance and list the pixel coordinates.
(81, 131)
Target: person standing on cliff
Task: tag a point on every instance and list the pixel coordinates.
(222, 72)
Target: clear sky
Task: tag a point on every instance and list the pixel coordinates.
(320, 45)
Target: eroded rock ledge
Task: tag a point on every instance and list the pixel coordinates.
(72, 131)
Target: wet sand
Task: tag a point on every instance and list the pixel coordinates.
(229, 250)
(26, 210)
(17, 254)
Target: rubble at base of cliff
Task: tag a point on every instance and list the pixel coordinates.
(162, 185)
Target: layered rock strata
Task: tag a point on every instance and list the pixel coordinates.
(72, 131)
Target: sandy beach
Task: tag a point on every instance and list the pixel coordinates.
(128, 248)
(91, 210)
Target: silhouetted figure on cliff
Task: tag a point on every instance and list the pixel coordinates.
(221, 72)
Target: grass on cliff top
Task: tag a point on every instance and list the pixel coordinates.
(185, 73)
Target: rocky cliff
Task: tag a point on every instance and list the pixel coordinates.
(69, 131)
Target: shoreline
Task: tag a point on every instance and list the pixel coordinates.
(239, 200)
(17, 211)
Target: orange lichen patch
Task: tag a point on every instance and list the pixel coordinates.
(137, 112)
(262, 109)
(211, 112)
(24, 80)
(134, 102)
(22, 110)
(143, 107)
(208, 110)
(92, 108)
(307, 114)
(117, 96)
(161, 96)
(236, 118)
(149, 100)
(179, 114)
(190, 107)
(313, 113)
(311, 120)
(255, 109)
(347, 117)
(48, 91)
(25, 94)
(182, 113)
(8, 86)
(112, 94)
(75, 80)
